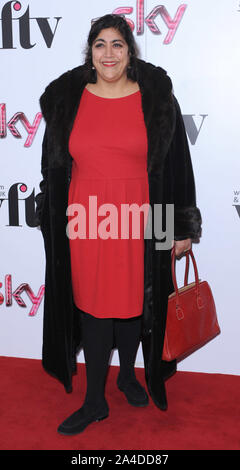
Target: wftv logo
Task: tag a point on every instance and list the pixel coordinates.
(160, 10)
(13, 197)
(11, 125)
(7, 21)
(16, 295)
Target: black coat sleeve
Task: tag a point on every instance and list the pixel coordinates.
(39, 199)
(187, 216)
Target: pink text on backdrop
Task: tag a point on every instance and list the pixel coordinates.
(171, 23)
(24, 287)
(11, 125)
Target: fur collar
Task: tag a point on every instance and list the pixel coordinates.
(60, 101)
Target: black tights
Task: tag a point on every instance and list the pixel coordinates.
(97, 334)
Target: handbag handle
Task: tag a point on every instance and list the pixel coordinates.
(186, 269)
(199, 300)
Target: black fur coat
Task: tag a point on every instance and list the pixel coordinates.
(171, 180)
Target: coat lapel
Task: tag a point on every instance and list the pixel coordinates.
(159, 113)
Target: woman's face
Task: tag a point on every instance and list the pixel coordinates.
(110, 55)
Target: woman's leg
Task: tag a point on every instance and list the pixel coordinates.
(97, 336)
(127, 335)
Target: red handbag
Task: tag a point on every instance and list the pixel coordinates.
(191, 317)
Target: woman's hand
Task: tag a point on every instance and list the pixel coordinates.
(182, 245)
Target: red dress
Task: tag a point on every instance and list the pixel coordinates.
(108, 144)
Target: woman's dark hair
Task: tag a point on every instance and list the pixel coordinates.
(111, 21)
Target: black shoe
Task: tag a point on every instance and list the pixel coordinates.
(134, 392)
(81, 418)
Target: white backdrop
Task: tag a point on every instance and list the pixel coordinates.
(197, 43)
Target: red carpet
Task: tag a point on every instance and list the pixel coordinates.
(203, 412)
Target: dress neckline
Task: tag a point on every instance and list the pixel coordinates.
(111, 99)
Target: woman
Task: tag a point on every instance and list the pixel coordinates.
(113, 130)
